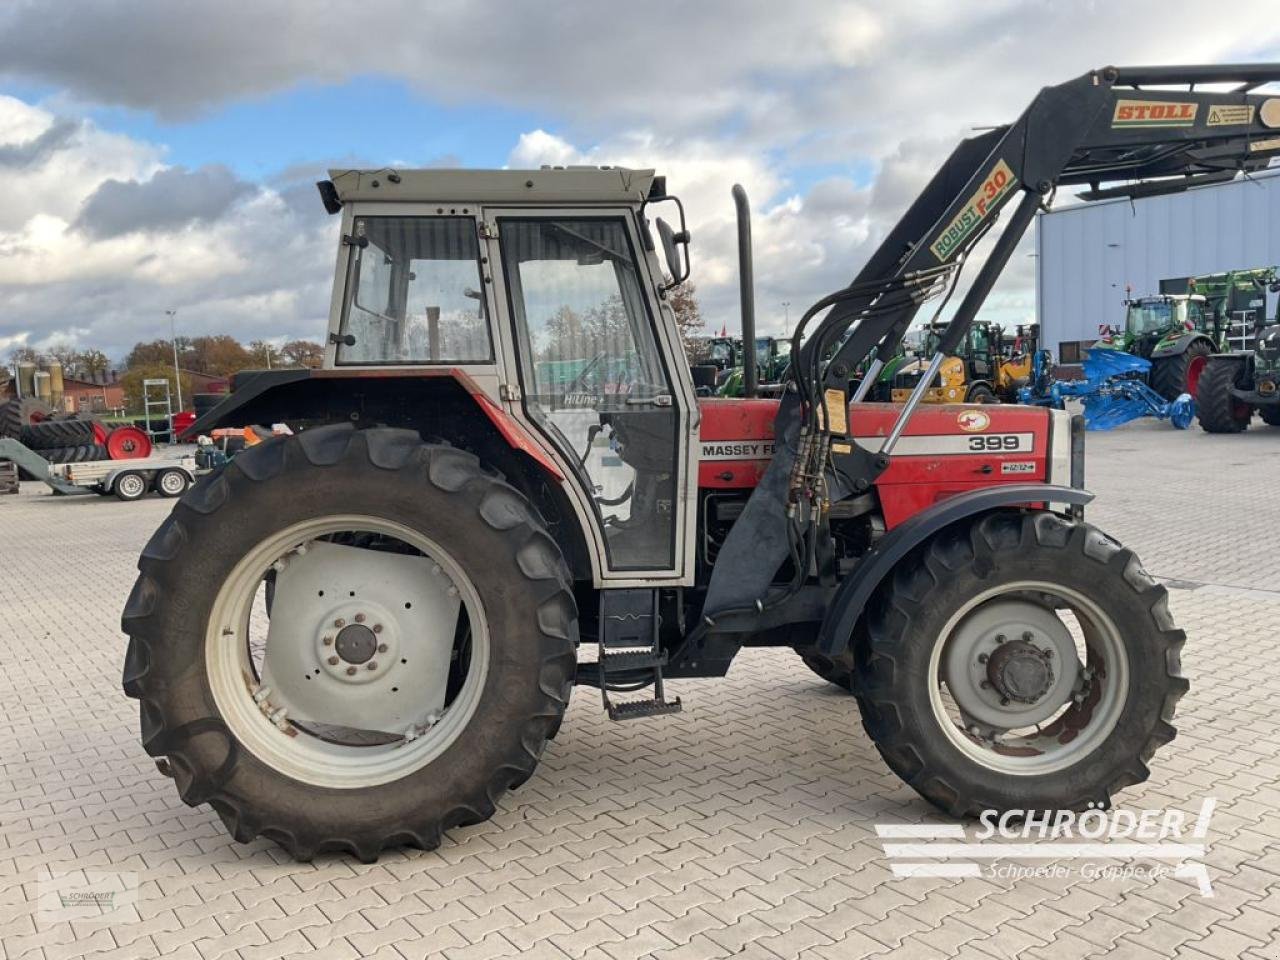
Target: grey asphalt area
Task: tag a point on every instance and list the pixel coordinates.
(744, 827)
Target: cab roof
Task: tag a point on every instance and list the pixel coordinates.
(548, 185)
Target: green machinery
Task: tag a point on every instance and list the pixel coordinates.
(1235, 384)
(1176, 332)
(772, 356)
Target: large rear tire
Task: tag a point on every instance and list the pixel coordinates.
(963, 701)
(1173, 376)
(1216, 409)
(190, 624)
(16, 414)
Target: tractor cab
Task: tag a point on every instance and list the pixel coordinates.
(1150, 320)
(543, 293)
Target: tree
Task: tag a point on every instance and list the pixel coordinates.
(221, 355)
(24, 355)
(68, 356)
(132, 382)
(153, 353)
(684, 304)
(302, 353)
(94, 362)
(264, 354)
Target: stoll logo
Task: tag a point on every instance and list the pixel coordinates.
(1154, 113)
(1096, 844)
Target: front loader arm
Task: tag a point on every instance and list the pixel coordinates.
(1101, 130)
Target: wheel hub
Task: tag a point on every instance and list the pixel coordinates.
(356, 643)
(1010, 664)
(1020, 671)
(359, 638)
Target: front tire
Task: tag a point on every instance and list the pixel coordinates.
(268, 776)
(1173, 376)
(926, 649)
(1216, 409)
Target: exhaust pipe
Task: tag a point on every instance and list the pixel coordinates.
(746, 294)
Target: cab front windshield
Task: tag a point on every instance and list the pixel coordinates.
(1154, 315)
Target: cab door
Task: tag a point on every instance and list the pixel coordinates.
(600, 380)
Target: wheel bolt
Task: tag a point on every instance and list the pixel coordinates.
(382, 648)
(1004, 701)
(1028, 636)
(1000, 638)
(983, 658)
(327, 641)
(377, 628)
(1048, 654)
(339, 622)
(373, 664)
(359, 618)
(351, 671)
(333, 661)
(985, 684)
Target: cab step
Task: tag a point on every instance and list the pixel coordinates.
(631, 657)
(635, 709)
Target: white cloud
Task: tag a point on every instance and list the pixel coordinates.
(832, 113)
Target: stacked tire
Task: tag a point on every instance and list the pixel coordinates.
(63, 441)
(16, 414)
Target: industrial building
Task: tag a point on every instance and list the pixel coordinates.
(1091, 256)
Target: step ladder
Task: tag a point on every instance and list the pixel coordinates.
(630, 656)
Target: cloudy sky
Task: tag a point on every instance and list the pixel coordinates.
(161, 154)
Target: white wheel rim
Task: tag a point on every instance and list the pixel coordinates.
(131, 486)
(305, 757)
(1102, 640)
(172, 482)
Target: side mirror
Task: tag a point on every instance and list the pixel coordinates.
(677, 265)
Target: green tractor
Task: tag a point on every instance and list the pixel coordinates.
(1176, 332)
(773, 354)
(1234, 385)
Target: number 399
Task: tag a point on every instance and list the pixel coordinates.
(993, 442)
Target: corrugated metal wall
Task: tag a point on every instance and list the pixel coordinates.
(1088, 252)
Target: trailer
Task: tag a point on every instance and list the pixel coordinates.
(131, 479)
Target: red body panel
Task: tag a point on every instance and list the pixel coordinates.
(946, 450)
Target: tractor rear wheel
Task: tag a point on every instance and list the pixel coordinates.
(1173, 376)
(1217, 410)
(418, 648)
(1021, 662)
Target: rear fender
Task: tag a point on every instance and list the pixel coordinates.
(383, 396)
(856, 590)
(1172, 347)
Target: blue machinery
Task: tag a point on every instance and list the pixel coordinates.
(1114, 391)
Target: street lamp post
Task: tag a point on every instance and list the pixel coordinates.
(173, 337)
(786, 311)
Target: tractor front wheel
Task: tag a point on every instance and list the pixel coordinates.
(1173, 376)
(1023, 662)
(829, 670)
(1270, 415)
(350, 640)
(1217, 410)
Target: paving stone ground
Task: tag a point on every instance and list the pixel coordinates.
(744, 827)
